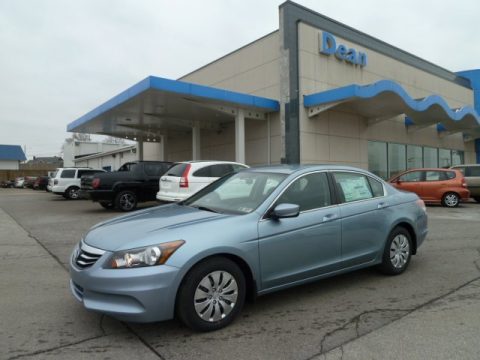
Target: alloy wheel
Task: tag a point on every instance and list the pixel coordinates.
(215, 296)
(399, 251)
(127, 201)
(451, 200)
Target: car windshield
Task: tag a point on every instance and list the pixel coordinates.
(239, 193)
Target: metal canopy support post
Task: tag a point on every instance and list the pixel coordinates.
(240, 136)
(140, 150)
(196, 141)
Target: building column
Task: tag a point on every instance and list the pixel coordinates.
(140, 150)
(240, 136)
(196, 141)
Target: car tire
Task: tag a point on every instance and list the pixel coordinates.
(450, 200)
(205, 297)
(397, 252)
(72, 193)
(477, 198)
(126, 200)
(106, 204)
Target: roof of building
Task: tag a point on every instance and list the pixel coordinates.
(12, 152)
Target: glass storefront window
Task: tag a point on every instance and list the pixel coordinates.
(430, 157)
(445, 158)
(377, 158)
(457, 157)
(397, 160)
(414, 157)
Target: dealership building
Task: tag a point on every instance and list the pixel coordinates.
(313, 91)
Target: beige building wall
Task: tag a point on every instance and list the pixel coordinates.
(253, 69)
(342, 137)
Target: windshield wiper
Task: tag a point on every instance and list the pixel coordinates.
(205, 208)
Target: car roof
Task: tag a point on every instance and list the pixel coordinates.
(209, 161)
(290, 169)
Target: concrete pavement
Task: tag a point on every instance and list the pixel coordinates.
(38, 319)
(447, 328)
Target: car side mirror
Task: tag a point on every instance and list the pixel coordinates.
(286, 211)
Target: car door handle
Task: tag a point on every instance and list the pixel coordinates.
(329, 217)
(382, 205)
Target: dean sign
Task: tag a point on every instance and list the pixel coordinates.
(328, 46)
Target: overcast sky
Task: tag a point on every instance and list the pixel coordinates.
(59, 58)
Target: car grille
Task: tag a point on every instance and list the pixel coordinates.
(87, 256)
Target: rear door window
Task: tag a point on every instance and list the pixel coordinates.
(353, 187)
(220, 170)
(203, 172)
(68, 174)
(412, 176)
(154, 169)
(434, 176)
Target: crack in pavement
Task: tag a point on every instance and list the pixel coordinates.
(355, 320)
(143, 341)
(64, 267)
(55, 348)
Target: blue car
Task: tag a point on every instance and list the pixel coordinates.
(247, 234)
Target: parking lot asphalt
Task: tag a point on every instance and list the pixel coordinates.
(430, 311)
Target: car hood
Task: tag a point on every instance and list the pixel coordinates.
(136, 229)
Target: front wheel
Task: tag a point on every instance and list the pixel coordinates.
(72, 193)
(211, 295)
(450, 200)
(126, 200)
(397, 253)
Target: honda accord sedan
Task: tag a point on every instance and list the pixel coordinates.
(247, 234)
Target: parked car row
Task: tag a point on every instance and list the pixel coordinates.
(142, 181)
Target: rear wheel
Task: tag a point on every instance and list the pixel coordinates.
(397, 253)
(126, 200)
(450, 200)
(211, 295)
(72, 193)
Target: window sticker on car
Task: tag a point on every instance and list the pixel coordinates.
(355, 188)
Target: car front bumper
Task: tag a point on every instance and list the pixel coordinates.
(145, 294)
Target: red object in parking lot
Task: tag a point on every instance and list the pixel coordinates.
(444, 186)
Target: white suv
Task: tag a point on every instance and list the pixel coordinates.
(186, 178)
(66, 181)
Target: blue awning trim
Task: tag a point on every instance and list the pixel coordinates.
(12, 152)
(359, 92)
(183, 88)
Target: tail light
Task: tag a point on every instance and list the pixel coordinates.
(184, 178)
(464, 183)
(55, 182)
(96, 183)
(421, 204)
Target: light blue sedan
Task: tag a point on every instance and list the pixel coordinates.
(247, 234)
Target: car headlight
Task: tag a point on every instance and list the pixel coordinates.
(146, 256)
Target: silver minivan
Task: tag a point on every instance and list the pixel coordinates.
(472, 177)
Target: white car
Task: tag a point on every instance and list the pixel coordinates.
(186, 178)
(19, 181)
(66, 181)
